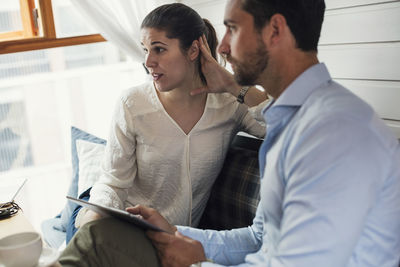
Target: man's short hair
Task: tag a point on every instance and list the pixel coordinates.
(304, 18)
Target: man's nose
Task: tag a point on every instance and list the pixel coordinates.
(224, 47)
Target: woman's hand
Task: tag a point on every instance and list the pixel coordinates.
(219, 80)
(152, 216)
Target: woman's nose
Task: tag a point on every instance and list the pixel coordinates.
(150, 61)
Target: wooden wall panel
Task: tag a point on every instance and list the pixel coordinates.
(378, 61)
(333, 4)
(383, 96)
(394, 126)
(371, 23)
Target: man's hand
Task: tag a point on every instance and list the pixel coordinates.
(219, 80)
(176, 250)
(152, 216)
(173, 248)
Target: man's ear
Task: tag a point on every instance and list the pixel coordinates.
(194, 50)
(275, 30)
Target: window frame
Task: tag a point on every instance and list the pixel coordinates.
(28, 39)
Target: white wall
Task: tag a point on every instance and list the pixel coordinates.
(360, 43)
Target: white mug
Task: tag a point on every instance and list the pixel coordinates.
(21, 249)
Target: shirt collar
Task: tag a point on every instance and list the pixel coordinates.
(299, 90)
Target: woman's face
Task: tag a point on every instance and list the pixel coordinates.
(165, 61)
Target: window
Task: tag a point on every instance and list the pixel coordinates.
(19, 19)
(65, 76)
(44, 92)
(37, 24)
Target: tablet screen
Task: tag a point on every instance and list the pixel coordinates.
(119, 214)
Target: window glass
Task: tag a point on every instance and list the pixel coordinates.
(10, 17)
(68, 21)
(15, 149)
(44, 92)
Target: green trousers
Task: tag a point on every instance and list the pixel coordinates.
(109, 242)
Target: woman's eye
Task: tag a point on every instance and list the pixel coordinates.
(155, 50)
(159, 49)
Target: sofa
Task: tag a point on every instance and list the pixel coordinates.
(232, 203)
(235, 194)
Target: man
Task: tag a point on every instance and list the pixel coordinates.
(330, 187)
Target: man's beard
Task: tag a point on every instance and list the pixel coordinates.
(248, 71)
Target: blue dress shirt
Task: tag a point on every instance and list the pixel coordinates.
(330, 187)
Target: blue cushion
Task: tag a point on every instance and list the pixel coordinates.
(54, 229)
(76, 134)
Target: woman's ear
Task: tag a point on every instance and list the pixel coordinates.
(194, 50)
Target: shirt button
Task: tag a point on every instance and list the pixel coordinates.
(264, 249)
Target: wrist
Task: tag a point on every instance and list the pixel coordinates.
(235, 90)
(242, 93)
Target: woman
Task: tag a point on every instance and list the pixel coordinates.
(166, 147)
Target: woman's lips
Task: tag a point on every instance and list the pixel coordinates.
(156, 76)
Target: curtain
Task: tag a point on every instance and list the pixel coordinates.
(118, 21)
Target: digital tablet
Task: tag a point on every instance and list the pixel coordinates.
(116, 213)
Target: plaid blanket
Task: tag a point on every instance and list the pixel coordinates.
(235, 194)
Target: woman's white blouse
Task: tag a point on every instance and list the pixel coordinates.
(149, 160)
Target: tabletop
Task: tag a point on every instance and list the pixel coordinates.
(17, 224)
